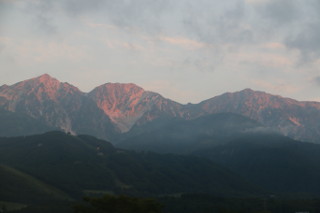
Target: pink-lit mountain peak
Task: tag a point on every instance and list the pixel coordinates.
(250, 98)
(45, 80)
(122, 88)
(114, 96)
(41, 86)
(126, 104)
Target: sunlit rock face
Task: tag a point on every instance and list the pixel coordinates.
(128, 104)
(115, 108)
(60, 105)
(299, 120)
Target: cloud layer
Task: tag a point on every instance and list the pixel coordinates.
(202, 47)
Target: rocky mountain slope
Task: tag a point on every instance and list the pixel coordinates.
(114, 108)
(128, 104)
(59, 105)
(290, 117)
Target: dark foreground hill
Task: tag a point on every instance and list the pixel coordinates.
(279, 164)
(20, 187)
(84, 165)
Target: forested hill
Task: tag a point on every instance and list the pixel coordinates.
(84, 165)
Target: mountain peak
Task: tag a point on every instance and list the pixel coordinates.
(40, 87)
(118, 100)
(123, 87)
(247, 90)
(48, 83)
(125, 104)
(46, 79)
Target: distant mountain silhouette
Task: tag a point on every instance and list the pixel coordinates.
(187, 136)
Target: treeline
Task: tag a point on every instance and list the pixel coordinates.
(196, 203)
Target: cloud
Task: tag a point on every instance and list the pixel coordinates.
(256, 1)
(215, 24)
(246, 39)
(29, 52)
(317, 80)
(279, 12)
(274, 46)
(276, 86)
(43, 15)
(183, 42)
(143, 14)
(307, 41)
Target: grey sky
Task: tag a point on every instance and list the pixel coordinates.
(184, 49)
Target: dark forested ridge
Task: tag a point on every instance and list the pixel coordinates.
(48, 172)
(84, 165)
(277, 163)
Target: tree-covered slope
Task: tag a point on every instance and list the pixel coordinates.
(21, 187)
(79, 164)
(277, 163)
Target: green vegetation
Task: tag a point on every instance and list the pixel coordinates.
(10, 206)
(46, 173)
(119, 204)
(77, 165)
(20, 187)
(204, 203)
(278, 164)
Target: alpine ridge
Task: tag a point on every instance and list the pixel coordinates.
(59, 105)
(292, 118)
(114, 108)
(128, 104)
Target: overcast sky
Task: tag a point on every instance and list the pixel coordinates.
(186, 50)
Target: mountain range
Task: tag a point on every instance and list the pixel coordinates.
(235, 144)
(112, 109)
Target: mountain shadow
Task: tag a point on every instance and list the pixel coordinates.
(187, 136)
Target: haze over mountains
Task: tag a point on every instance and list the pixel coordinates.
(113, 108)
(235, 144)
